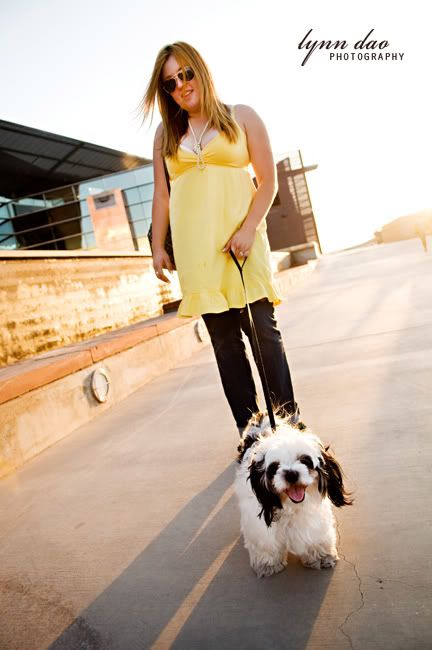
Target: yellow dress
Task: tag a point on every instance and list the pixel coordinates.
(206, 208)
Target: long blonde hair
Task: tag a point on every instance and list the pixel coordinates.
(174, 118)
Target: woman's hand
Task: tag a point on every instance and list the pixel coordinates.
(161, 260)
(241, 242)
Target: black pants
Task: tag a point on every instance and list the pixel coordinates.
(225, 330)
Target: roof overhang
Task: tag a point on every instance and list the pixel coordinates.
(33, 161)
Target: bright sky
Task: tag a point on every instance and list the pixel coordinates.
(80, 68)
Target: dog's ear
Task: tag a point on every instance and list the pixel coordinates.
(246, 442)
(269, 500)
(330, 480)
(249, 438)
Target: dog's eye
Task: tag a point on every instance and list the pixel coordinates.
(272, 469)
(306, 460)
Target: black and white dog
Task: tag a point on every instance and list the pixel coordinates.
(285, 484)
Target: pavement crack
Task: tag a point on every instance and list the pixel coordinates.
(383, 580)
(362, 601)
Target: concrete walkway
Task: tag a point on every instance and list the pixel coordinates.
(125, 535)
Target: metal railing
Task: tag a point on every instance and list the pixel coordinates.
(59, 219)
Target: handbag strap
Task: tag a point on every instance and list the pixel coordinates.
(166, 176)
(257, 348)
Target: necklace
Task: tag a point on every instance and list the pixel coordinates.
(197, 149)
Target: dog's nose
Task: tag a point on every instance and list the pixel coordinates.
(291, 475)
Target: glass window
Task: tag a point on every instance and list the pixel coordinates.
(86, 224)
(132, 196)
(89, 188)
(148, 209)
(127, 179)
(7, 236)
(137, 187)
(136, 212)
(60, 196)
(141, 227)
(144, 175)
(8, 243)
(89, 241)
(122, 180)
(28, 205)
(146, 192)
(6, 211)
(84, 208)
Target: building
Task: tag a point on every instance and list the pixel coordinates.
(57, 193)
(45, 189)
(291, 220)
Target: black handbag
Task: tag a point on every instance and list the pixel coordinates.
(168, 240)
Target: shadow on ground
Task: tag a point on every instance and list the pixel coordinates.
(192, 587)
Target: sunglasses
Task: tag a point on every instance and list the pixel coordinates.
(169, 85)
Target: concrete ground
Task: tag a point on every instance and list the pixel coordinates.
(125, 535)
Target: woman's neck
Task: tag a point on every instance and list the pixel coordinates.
(198, 117)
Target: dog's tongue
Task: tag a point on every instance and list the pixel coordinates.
(296, 493)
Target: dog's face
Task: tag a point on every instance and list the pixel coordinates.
(286, 464)
(290, 466)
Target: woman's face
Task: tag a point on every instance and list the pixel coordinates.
(187, 93)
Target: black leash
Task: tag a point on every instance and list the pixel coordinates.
(256, 348)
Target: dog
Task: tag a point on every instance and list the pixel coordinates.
(286, 484)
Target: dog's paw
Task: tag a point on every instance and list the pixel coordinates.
(320, 561)
(264, 570)
(311, 563)
(329, 561)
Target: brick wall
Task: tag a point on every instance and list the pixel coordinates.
(48, 302)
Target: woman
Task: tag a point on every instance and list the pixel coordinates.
(213, 208)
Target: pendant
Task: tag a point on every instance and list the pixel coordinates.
(197, 149)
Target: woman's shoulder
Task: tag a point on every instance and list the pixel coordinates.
(245, 115)
(242, 109)
(158, 133)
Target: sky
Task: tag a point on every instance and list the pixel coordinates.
(80, 69)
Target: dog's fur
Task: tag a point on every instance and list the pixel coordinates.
(285, 484)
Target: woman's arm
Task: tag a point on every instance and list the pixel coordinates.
(160, 210)
(262, 161)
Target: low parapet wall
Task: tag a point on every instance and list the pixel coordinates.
(49, 300)
(302, 253)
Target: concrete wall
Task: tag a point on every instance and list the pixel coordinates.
(39, 418)
(51, 300)
(405, 227)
